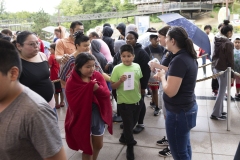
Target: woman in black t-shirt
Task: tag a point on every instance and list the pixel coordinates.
(35, 70)
(179, 98)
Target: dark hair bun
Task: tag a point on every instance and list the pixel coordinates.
(78, 34)
(226, 22)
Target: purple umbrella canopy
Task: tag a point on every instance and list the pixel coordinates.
(198, 37)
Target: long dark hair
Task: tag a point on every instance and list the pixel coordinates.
(182, 41)
(81, 59)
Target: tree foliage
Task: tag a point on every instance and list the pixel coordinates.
(41, 20)
(127, 6)
(70, 8)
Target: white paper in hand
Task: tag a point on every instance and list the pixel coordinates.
(129, 83)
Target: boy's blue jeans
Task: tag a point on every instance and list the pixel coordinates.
(178, 126)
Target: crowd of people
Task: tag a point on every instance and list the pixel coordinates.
(83, 71)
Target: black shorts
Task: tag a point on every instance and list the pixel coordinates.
(58, 88)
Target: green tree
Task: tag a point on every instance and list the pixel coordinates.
(41, 20)
(70, 8)
(2, 6)
(2, 9)
(125, 6)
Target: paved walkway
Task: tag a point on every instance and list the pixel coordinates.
(210, 139)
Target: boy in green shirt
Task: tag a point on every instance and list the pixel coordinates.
(125, 79)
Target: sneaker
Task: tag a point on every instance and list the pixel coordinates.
(156, 111)
(232, 99)
(116, 118)
(165, 152)
(237, 96)
(222, 118)
(149, 94)
(123, 140)
(224, 113)
(152, 105)
(138, 129)
(163, 142)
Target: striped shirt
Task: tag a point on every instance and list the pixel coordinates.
(68, 67)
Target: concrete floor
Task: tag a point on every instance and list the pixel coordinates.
(210, 139)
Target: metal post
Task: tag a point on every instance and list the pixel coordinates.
(228, 98)
(227, 10)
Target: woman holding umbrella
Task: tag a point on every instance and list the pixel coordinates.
(178, 85)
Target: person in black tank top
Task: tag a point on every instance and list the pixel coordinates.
(35, 70)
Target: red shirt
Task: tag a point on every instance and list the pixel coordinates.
(41, 47)
(54, 67)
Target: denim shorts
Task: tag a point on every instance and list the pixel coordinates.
(97, 125)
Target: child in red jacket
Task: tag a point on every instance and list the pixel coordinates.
(54, 69)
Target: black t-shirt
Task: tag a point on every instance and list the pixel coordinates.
(167, 57)
(185, 67)
(155, 52)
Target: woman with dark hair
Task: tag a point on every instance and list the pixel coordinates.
(35, 70)
(178, 85)
(167, 57)
(142, 58)
(89, 108)
(82, 44)
(221, 60)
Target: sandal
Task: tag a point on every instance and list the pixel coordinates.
(62, 104)
(58, 106)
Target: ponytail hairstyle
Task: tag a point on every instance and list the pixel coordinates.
(80, 37)
(182, 41)
(226, 27)
(81, 59)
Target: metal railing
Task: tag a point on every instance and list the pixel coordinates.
(137, 2)
(176, 6)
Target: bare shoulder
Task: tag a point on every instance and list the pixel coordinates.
(43, 56)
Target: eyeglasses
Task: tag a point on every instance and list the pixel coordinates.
(33, 44)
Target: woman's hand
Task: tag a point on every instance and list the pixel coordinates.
(95, 85)
(159, 74)
(153, 66)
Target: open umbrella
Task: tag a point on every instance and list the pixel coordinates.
(46, 44)
(144, 39)
(49, 29)
(197, 35)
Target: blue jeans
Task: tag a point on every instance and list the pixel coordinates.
(178, 126)
(205, 58)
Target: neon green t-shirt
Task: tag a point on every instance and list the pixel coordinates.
(127, 96)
